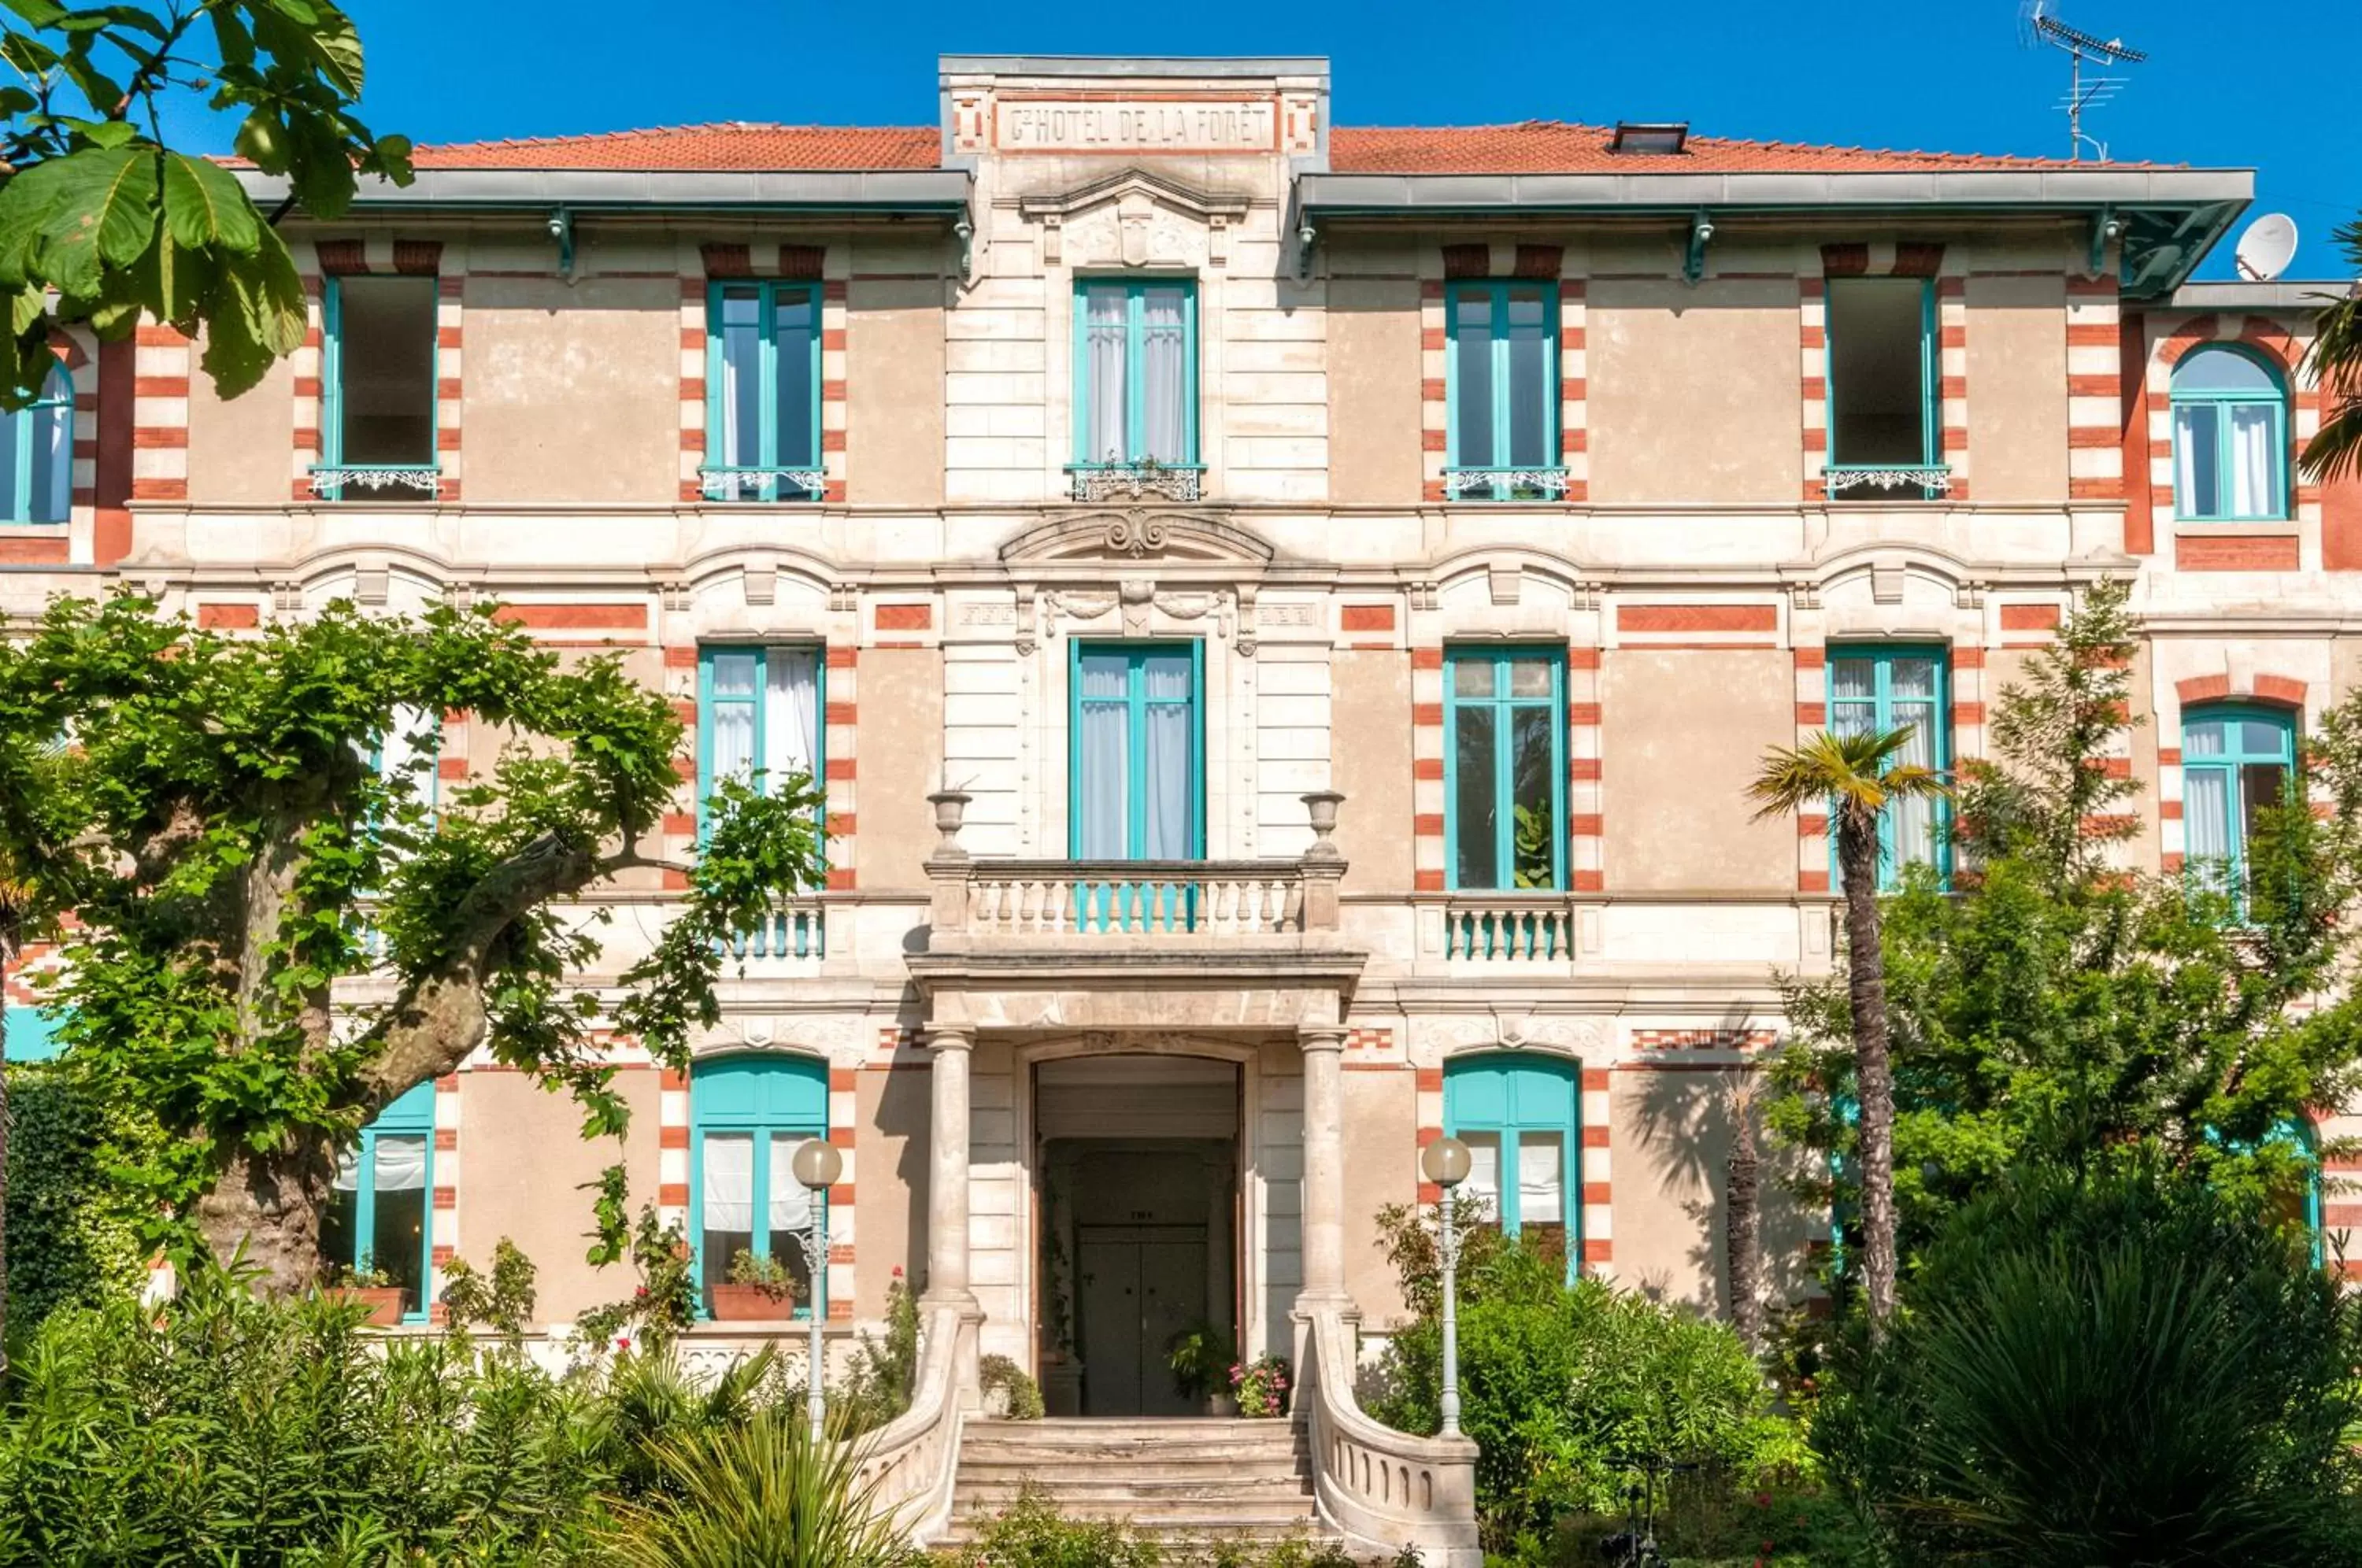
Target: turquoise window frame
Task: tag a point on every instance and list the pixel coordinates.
(707, 704)
(1506, 825)
(1135, 401)
(1509, 1096)
(762, 1097)
(769, 376)
(1931, 389)
(1460, 462)
(2229, 762)
(332, 393)
(1136, 702)
(2178, 398)
(1884, 654)
(32, 1033)
(56, 403)
(412, 1115)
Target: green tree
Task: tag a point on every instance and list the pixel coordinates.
(2336, 363)
(1855, 777)
(2060, 1010)
(101, 222)
(232, 855)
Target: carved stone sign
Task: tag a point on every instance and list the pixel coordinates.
(1141, 125)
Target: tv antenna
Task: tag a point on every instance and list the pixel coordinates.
(2038, 25)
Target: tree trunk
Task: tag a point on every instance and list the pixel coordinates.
(1743, 1240)
(270, 1205)
(1873, 1069)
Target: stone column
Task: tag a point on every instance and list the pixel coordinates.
(1324, 1169)
(947, 1170)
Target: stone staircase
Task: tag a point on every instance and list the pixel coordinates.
(1175, 1480)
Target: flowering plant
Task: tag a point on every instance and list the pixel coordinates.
(1260, 1386)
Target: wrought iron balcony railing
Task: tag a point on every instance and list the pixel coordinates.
(1137, 482)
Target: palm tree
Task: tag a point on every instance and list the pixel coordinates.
(2335, 361)
(1854, 778)
(1742, 1238)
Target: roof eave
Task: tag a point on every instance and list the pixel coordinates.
(879, 191)
(2197, 206)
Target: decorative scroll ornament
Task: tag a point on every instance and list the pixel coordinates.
(328, 482)
(1137, 482)
(1135, 535)
(739, 485)
(1505, 483)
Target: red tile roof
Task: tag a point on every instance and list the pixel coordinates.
(738, 145)
(1554, 146)
(1533, 147)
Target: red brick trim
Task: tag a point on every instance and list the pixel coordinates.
(1539, 261)
(341, 257)
(1697, 617)
(2267, 552)
(1467, 261)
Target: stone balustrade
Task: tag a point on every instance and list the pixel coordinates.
(1382, 1489)
(910, 1464)
(1064, 902)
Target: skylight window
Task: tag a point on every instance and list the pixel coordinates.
(1654, 137)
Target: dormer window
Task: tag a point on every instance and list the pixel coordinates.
(1660, 138)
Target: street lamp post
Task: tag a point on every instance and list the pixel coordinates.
(1445, 1163)
(817, 1166)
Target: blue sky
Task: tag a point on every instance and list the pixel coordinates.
(2225, 84)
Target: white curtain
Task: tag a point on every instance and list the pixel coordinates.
(2255, 466)
(52, 488)
(408, 750)
(1170, 775)
(348, 1170)
(742, 374)
(791, 1204)
(401, 1164)
(729, 1187)
(1483, 1170)
(1912, 692)
(1105, 439)
(1104, 808)
(1163, 376)
(792, 714)
(1854, 684)
(1542, 1179)
(732, 691)
(2206, 821)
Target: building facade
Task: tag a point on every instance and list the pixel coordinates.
(1283, 615)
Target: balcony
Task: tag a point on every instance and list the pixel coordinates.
(1504, 485)
(1128, 944)
(1136, 481)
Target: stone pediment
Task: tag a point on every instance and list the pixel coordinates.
(1136, 534)
(1135, 220)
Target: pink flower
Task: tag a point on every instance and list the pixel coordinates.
(623, 1341)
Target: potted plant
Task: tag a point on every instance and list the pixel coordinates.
(1261, 1386)
(1199, 1358)
(373, 1287)
(758, 1290)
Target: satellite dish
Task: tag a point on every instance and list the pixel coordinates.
(2268, 248)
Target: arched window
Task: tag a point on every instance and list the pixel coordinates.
(2235, 762)
(378, 1215)
(37, 455)
(746, 1114)
(2230, 437)
(1520, 1117)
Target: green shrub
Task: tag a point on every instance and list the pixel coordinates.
(2131, 1370)
(73, 1239)
(761, 1493)
(885, 1373)
(1560, 1384)
(225, 1427)
(998, 1373)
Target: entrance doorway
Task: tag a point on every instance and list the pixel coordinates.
(1139, 1162)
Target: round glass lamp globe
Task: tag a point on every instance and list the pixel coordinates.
(817, 1164)
(1444, 1162)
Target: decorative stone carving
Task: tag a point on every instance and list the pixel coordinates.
(1135, 535)
(1100, 533)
